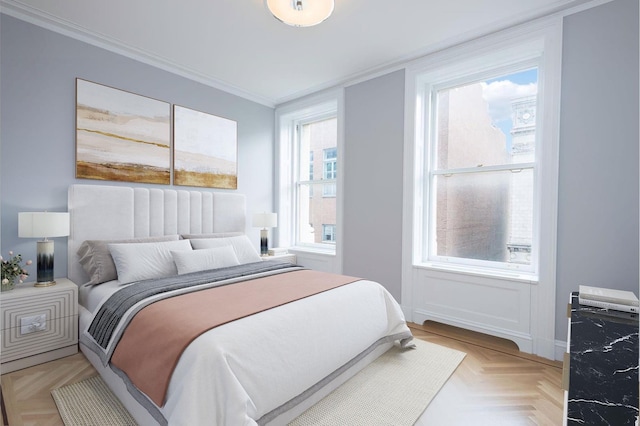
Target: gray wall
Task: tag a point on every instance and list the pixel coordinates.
(374, 139)
(37, 96)
(598, 187)
(598, 205)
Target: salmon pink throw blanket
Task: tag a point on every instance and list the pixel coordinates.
(152, 344)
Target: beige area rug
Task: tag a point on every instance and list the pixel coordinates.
(90, 403)
(393, 390)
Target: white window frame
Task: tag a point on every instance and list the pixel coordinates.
(288, 116)
(515, 45)
(430, 87)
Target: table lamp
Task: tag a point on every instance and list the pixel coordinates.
(43, 225)
(264, 221)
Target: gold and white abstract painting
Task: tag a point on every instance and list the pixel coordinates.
(121, 136)
(205, 150)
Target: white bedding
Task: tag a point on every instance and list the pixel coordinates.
(237, 373)
(91, 296)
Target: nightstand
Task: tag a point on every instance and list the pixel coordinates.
(289, 257)
(39, 324)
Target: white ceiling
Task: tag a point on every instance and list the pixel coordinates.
(236, 45)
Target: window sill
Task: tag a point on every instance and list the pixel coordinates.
(522, 277)
(312, 250)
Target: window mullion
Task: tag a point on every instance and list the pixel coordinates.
(515, 167)
(316, 181)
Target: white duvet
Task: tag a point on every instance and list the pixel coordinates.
(239, 372)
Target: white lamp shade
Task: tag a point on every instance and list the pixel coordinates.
(310, 12)
(43, 224)
(265, 220)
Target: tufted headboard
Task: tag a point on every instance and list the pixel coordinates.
(100, 212)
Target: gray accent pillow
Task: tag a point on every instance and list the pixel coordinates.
(96, 259)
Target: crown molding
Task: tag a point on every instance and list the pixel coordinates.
(45, 20)
(42, 19)
(559, 10)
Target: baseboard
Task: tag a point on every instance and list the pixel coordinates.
(560, 350)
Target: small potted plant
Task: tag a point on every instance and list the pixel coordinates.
(12, 271)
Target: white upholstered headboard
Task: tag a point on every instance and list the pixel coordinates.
(100, 212)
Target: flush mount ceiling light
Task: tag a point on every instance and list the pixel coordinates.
(300, 13)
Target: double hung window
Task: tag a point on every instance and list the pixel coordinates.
(485, 157)
(309, 172)
(316, 141)
(481, 168)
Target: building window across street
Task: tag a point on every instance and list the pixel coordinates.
(329, 171)
(329, 233)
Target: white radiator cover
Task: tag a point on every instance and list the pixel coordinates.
(493, 305)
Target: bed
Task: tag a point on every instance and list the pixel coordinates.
(254, 364)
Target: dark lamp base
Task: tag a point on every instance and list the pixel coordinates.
(45, 264)
(264, 242)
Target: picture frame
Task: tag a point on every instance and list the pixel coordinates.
(205, 149)
(121, 136)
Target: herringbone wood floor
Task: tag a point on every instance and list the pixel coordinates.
(494, 385)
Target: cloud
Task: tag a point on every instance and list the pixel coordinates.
(499, 95)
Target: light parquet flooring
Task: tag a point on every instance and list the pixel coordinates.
(494, 385)
(27, 393)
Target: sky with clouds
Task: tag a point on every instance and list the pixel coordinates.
(499, 93)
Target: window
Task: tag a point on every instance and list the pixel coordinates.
(309, 160)
(316, 134)
(329, 233)
(482, 151)
(485, 160)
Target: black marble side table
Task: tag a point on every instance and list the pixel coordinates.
(603, 368)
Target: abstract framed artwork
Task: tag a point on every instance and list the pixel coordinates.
(121, 136)
(205, 149)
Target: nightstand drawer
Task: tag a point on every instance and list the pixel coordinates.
(18, 311)
(38, 337)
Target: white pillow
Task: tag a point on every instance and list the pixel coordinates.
(95, 258)
(200, 260)
(135, 262)
(245, 251)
